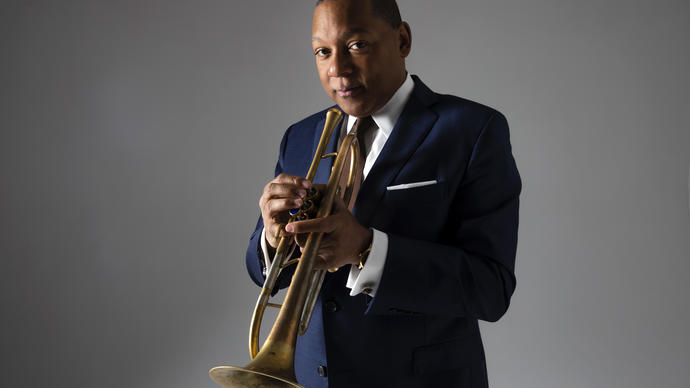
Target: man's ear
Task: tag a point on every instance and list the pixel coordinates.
(404, 39)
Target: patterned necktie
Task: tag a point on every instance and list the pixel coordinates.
(363, 129)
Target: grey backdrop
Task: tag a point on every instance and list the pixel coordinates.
(136, 137)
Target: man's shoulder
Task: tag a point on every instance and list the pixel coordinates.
(451, 105)
(448, 104)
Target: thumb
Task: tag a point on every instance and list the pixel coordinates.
(338, 205)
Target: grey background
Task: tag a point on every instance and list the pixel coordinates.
(136, 137)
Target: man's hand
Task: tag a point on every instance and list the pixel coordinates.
(344, 238)
(283, 193)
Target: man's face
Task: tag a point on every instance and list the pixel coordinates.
(360, 58)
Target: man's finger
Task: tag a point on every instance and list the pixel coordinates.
(276, 231)
(284, 190)
(325, 225)
(292, 179)
(275, 206)
(301, 240)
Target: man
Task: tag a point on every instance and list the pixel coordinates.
(434, 226)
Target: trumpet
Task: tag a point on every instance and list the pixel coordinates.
(272, 366)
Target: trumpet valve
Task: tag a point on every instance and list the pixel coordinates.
(309, 207)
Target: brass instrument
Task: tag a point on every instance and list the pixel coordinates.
(273, 365)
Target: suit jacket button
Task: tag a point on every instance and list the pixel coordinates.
(331, 306)
(323, 371)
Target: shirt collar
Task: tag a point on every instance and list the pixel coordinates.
(386, 117)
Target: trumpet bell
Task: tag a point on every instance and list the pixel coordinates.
(231, 376)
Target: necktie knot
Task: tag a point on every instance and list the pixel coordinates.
(363, 124)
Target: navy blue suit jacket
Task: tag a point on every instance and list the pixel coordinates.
(451, 250)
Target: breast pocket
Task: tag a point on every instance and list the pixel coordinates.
(418, 192)
(414, 211)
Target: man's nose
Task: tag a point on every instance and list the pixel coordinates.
(341, 64)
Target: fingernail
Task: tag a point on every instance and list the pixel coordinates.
(302, 192)
(306, 184)
(289, 228)
(298, 202)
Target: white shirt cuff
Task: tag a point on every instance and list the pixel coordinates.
(367, 279)
(266, 257)
(264, 250)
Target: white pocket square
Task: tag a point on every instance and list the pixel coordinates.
(411, 185)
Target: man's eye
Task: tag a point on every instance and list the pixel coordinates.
(358, 45)
(320, 52)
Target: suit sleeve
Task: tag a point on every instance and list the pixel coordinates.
(254, 257)
(469, 272)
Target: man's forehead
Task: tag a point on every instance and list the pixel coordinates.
(343, 18)
(344, 34)
(350, 6)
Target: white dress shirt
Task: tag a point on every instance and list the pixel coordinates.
(367, 279)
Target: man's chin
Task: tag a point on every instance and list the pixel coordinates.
(352, 108)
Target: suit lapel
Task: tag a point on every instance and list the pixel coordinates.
(412, 127)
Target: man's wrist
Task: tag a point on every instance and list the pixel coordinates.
(365, 249)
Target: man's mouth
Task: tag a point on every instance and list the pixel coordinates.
(348, 92)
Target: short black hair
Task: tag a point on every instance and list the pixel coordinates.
(384, 9)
